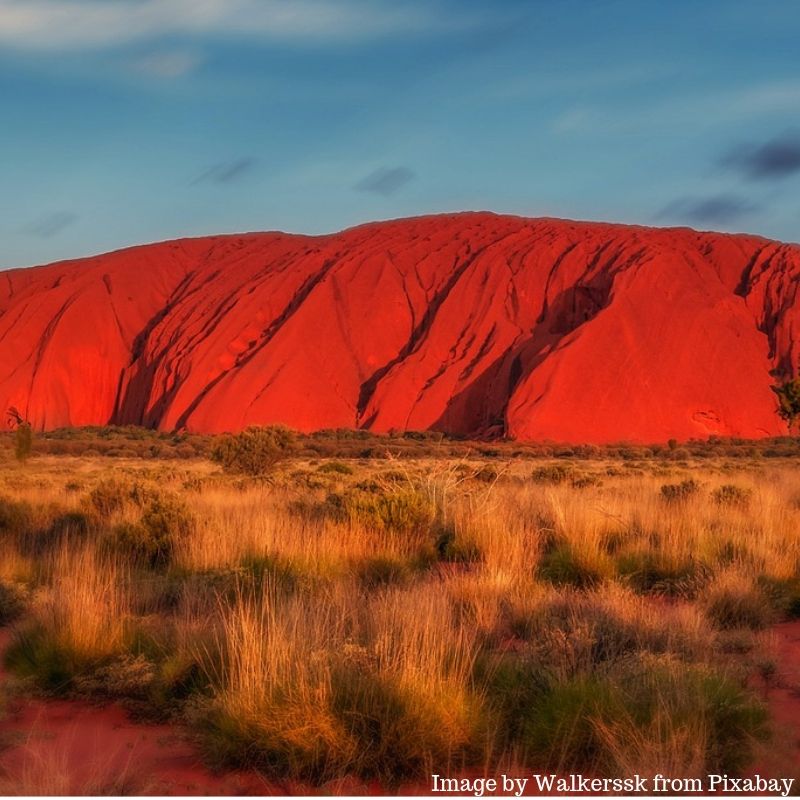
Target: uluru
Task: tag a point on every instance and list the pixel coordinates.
(472, 324)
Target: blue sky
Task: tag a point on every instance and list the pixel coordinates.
(128, 121)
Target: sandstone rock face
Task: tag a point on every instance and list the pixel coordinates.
(468, 323)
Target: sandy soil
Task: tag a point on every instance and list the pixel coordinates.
(780, 758)
(73, 747)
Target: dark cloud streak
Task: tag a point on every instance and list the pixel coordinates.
(227, 172)
(50, 225)
(385, 181)
(717, 209)
(773, 160)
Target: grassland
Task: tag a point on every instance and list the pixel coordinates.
(448, 608)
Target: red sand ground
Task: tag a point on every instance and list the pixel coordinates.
(71, 747)
(781, 757)
(469, 323)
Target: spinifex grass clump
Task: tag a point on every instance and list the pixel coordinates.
(77, 622)
(661, 574)
(735, 601)
(318, 687)
(607, 681)
(569, 564)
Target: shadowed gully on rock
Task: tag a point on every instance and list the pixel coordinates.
(471, 323)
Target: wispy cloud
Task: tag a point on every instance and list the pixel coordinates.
(598, 80)
(718, 209)
(709, 108)
(227, 171)
(167, 64)
(80, 24)
(775, 159)
(50, 225)
(385, 181)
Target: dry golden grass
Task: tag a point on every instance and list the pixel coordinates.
(389, 618)
(85, 606)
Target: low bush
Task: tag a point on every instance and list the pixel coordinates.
(15, 516)
(783, 595)
(586, 481)
(677, 492)
(109, 496)
(255, 451)
(486, 474)
(557, 473)
(402, 510)
(730, 495)
(151, 540)
(12, 602)
(335, 467)
(456, 546)
(382, 571)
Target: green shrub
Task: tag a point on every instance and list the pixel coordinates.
(15, 516)
(735, 719)
(283, 742)
(23, 441)
(109, 496)
(255, 451)
(336, 467)
(559, 728)
(586, 481)
(12, 602)
(644, 699)
(456, 547)
(676, 492)
(151, 540)
(557, 473)
(33, 654)
(486, 474)
(730, 495)
(270, 571)
(783, 595)
(788, 400)
(512, 684)
(401, 510)
(399, 732)
(382, 571)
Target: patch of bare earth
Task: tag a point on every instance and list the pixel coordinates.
(780, 757)
(59, 747)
